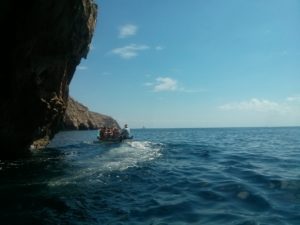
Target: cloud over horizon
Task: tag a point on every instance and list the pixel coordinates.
(295, 98)
(257, 105)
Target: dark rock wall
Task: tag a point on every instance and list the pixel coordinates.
(46, 40)
(78, 117)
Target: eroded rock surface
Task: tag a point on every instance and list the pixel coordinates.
(78, 117)
(45, 42)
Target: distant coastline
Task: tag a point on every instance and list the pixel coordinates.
(229, 127)
(79, 117)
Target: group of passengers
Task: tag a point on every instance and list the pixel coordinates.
(106, 133)
(113, 133)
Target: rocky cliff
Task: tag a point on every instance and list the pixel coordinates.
(78, 117)
(45, 41)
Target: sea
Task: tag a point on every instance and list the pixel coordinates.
(209, 176)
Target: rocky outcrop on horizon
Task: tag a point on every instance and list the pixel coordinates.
(78, 117)
(48, 40)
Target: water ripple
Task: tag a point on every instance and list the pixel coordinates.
(246, 176)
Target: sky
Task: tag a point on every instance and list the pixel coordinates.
(194, 63)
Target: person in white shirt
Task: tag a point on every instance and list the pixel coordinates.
(125, 132)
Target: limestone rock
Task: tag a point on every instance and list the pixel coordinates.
(78, 117)
(45, 41)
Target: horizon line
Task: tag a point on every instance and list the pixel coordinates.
(225, 127)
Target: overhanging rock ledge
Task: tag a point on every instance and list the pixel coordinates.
(49, 39)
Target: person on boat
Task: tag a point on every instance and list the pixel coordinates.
(125, 133)
(109, 133)
(99, 134)
(103, 133)
(115, 133)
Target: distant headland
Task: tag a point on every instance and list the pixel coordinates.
(78, 117)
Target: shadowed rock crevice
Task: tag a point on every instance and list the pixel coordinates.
(49, 39)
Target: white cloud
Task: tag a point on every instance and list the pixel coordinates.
(170, 84)
(258, 105)
(165, 84)
(159, 48)
(192, 90)
(92, 47)
(105, 73)
(293, 98)
(81, 67)
(127, 30)
(129, 51)
(148, 84)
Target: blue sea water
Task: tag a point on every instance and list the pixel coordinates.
(236, 176)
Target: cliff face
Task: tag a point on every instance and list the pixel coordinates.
(49, 39)
(78, 117)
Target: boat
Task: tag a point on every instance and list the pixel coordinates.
(114, 140)
(113, 135)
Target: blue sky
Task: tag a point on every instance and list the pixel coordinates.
(195, 63)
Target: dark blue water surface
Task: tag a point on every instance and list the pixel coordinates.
(238, 176)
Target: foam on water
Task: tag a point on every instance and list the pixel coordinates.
(128, 155)
(111, 158)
